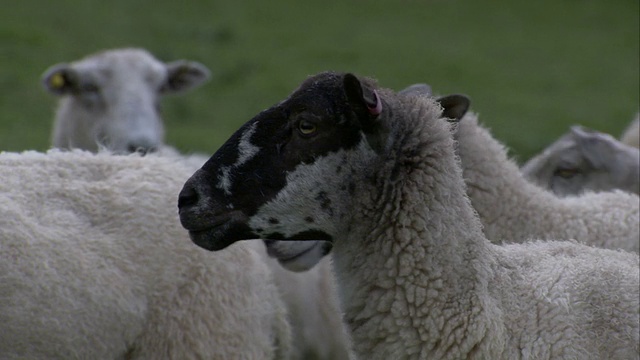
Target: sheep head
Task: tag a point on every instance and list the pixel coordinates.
(585, 160)
(293, 171)
(111, 99)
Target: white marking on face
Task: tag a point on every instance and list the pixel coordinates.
(246, 150)
(224, 182)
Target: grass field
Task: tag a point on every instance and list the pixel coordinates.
(531, 68)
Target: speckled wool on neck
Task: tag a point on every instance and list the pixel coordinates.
(427, 258)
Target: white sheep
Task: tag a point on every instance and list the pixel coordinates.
(513, 209)
(631, 135)
(111, 99)
(376, 174)
(95, 265)
(585, 160)
(125, 123)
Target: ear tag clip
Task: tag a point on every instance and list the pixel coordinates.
(56, 81)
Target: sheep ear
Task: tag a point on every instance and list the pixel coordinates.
(362, 97)
(596, 147)
(368, 106)
(454, 106)
(417, 89)
(60, 79)
(183, 75)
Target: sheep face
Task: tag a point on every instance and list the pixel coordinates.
(298, 170)
(584, 160)
(111, 99)
(288, 173)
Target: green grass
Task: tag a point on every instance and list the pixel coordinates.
(532, 69)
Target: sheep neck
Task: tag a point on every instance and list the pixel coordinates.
(489, 175)
(411, 265)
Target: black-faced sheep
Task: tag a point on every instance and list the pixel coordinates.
(585, 160)
(376, 174)
(111, 99)
(95, 265)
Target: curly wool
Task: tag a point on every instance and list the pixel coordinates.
(513, 209)
(417, 277)
(419, 280)
(96, 266)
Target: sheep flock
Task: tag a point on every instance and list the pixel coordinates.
(348, 221)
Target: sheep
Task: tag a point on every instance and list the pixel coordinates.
(95, 265)
(585, 160)
(320, 337)
(375, 173)
(631, 135)
(514, 209)
(311, 300)
(111, 99)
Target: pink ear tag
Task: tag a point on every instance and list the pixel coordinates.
(375, 110)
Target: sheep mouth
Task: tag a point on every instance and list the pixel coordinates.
(218, 232)
(298, 256)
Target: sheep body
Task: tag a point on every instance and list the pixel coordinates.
(96, 266)
(377, 175)
(131, 81)
(513, 209)
(585, 160)
(111, 99)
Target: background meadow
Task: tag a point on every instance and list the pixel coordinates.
(531, 69)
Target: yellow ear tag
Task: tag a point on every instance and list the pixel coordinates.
(56, 81)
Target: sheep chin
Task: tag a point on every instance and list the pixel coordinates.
(298, 256)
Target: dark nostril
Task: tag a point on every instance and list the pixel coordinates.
(141, 146)
(142, 150)
(187, 197)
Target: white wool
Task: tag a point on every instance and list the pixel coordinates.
(95, 265)
(513, 209)
(124, 114)
(417, 277)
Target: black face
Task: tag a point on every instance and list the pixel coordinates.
(251, 167)
(266, 180)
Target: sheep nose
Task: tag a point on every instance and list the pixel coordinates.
(141, 148)
(188, 197)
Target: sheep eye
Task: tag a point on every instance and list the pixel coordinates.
(306, 127)
(566, 173)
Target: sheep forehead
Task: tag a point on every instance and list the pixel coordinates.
(242, 147)
(124, 67)
(267, 158)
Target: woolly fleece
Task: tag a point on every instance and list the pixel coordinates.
(96, 266)
(513, 209)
